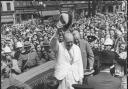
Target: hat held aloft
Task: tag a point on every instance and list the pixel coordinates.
(65, 21)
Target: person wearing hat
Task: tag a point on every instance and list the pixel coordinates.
(121, 65)
(108, 44)
(19, 48)
(91, 39)
(48, 54)
(29, 58)
(9, 42)
(104, 79)
(112, 34)
(7, 55)
(12, 65)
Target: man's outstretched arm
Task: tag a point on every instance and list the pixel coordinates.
(54, 43)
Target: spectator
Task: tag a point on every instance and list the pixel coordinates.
(104, 80)
(48, 54)
(87, 53)
(108, 44)
(19, 49)
(29, 58)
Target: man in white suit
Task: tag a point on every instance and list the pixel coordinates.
(69, 66)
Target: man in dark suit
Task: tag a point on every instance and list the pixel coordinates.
(87, 53)
(104, 80)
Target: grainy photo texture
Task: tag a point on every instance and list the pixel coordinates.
(56, 44)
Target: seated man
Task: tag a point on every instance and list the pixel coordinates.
(29, 58)
(47, 53)
(104, 80)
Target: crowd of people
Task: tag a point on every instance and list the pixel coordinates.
(27, 45)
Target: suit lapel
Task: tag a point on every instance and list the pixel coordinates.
(81, 45)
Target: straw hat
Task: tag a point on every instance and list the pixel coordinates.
(19, 45)
(7, 49)
(108, 41)
(27, 44)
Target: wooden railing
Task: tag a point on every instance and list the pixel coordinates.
(37, 77)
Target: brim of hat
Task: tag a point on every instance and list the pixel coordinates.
(27, 46)
(8, 40)
(19, 47)
(6, 52)
(91, 37)
(107, 45)
(46, 45)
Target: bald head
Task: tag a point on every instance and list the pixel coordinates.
(76, 34)
(68, 36)
(68, 39)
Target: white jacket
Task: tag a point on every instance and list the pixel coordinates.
(64, 66)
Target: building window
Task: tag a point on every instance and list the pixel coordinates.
(1, 8)
(110, 9)
(8, 6)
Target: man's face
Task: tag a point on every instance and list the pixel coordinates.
(27, 48)
(41, 39)
(20, 49)
(69, 44)
(68, 41)
(39, 48)
(111, 32)
(20, 39)
(76, 41)
(103, 31)
(122, 47)
(35, 36)
(96, 33)
(107, 47)
(8, 56)
(87, 33)
(76, 37)
(92, 31)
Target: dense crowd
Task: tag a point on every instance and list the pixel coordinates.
(26, 45)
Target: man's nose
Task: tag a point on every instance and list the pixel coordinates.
(70, 44)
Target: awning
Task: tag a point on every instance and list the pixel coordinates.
(25, 11)
(47, 13)
(81, 6)
(8, 18)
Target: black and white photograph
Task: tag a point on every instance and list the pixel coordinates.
(59, 44)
